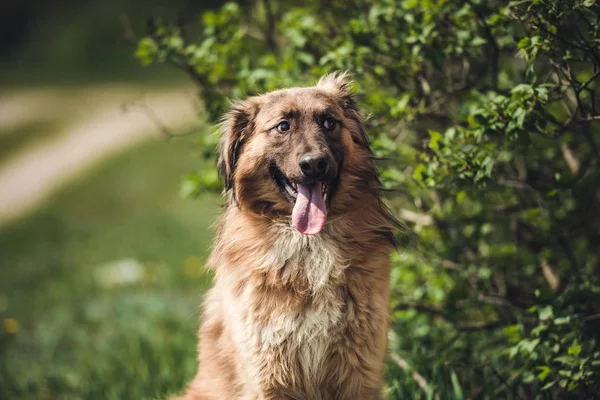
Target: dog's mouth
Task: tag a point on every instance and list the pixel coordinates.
(310, 202)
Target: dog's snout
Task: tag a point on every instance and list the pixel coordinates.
(314, 165)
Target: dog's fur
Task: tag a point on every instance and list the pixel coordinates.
(293, 316)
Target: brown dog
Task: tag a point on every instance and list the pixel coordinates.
(299, 309)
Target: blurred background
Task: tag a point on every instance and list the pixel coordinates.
(484, 121)
(100, 257)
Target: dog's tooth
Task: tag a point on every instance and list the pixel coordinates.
(290, 190)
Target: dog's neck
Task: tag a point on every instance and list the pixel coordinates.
(250, 244)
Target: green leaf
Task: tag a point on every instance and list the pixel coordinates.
(544, 372)
(435, 138)
(548, 385)
(545, 313)
(574, 350)
(565, 360)
(529, 344)
(146, 51)
(458, 392)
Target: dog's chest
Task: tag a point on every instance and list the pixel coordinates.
(311, 325)
(306, 334)
(302, 331)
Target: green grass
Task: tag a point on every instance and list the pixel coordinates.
(69, 330)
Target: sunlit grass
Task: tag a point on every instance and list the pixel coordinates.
(99, 290)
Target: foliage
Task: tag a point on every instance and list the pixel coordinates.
(484, 113)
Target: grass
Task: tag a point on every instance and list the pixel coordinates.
(99, 290)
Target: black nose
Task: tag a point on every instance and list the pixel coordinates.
(314, 165)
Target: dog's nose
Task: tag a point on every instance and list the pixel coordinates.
(314, 165)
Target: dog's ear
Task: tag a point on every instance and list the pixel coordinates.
(340, 85)
(236, 128)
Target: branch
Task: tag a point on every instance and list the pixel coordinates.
(416, 376)
(478, 368)
(591, 317)
(156, 120)
(423, 308)
(482, 326)
(590, 118)
(515, 183)
(270, 34)
(558, 37)
(586, 83)
(589, 47)
(419, 219)
(495, 49)
(451, 265)
(128, 32)
(495, 299)
(464, 327)
(570, 158)
(550, 276)
(569, 253)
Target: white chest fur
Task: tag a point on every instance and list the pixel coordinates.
(306, 331)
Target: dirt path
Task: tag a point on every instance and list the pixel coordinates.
(97, 131)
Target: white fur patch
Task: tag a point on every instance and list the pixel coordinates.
(316, 257)
(308, 331)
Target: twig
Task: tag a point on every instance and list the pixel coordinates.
(416, 376)
(156, 120)
(558, 37)
(481, 326)
(128, 32)
(590, 118)
(589, 47)
(419, 219)
(591, 317)
(550, 276)
(478, 369)
(270, 34)
(423, 308)
(569, 253)
(586, 83)
(464, 327)
(451, 265)
(495, 50)
(570, 158)
(495, 299)
(515, 183)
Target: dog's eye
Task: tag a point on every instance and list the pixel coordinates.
(329, 123)
(283, 126)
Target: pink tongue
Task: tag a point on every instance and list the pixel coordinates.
(309, 212)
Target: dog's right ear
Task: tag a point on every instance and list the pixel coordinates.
(236, 128)
(340, 85)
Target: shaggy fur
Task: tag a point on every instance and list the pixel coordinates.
(294, 316)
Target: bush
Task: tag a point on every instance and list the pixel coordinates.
(484, 115)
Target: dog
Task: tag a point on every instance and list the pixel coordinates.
(300, 304)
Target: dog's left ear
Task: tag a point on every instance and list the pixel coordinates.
(236, 128)
(340, 85)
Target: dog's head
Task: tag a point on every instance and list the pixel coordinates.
(301, 152)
